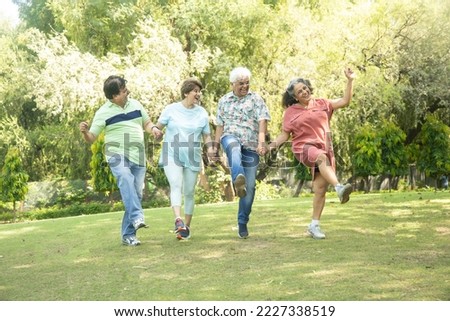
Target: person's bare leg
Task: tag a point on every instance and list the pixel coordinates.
(326, 170)
(320, 188)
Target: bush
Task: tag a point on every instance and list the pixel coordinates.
(72, 210)
(214, 192)
(266, 191)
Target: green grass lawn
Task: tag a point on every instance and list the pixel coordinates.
(384, 246)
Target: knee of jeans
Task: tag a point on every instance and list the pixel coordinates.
(229, 141)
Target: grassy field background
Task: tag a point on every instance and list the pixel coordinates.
(379, 246)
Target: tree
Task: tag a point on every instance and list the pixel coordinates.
(89, 24)
(393, 152)
(53, 65)
(366, 154)
(37, 14)
(13, 182)
(434, 148)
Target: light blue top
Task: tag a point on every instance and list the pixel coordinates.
(182, 142)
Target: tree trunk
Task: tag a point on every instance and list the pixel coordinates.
(14, 211)
(412, 176)
(299, 187)
(366, 184)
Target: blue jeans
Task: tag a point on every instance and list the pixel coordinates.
(242, 161)
(130, 180)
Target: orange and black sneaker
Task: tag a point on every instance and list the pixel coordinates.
(181, 230)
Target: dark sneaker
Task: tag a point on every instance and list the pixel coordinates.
(242, 231)
(131, 241)
(139, 224)
(179, 227)
(343, 192)
(239, 185)
(184, 234)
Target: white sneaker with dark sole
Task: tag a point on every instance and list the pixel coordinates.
(139, 224)
(131, 241)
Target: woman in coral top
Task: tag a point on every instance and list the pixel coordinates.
(307, 120)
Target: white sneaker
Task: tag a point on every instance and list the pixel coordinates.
(131, 241)
(139, 224)
(343, 192)
(315, 232)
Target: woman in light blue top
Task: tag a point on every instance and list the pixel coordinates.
(187, 124)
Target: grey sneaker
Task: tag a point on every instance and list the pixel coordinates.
(131, 241)
(139, 224)
(343, 192)
(239, 185)
(315, 232)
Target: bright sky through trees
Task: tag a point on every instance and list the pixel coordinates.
(9, 11)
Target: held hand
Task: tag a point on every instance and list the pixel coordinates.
(349, 73)
(157, 133)
(262, 149)
(84, 127)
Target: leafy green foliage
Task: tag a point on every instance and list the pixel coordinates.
(13, 182)
(53, 65)
(301, 171)
(213, 192)
(434, 151)
(366, 154)
(393, 152)
(102, 178)
(155, 172)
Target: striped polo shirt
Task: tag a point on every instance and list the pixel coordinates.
(124, 132)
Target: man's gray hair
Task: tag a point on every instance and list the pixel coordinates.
(239, 73)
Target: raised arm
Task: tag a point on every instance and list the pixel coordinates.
(348, 93)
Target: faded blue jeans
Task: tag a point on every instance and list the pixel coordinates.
(242, 161)
(130, 180)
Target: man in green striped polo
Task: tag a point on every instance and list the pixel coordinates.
(123, 121)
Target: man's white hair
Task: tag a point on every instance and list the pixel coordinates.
(239, 73)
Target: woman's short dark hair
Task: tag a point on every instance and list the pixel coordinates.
(288, 98)
(189, 85)
(113, 85)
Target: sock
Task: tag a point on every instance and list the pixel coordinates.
(314, 222)
(338, 185)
